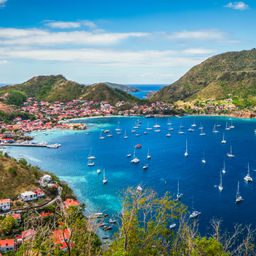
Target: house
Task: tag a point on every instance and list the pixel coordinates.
(7, 245)
(5, 204)
(70, 202)
(39, 193)
(28, 196)
(60, 237)
(17, 217)
(27, 234)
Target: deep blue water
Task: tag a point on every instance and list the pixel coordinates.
(146, 89)
(197, 181)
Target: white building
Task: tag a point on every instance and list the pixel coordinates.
(5, 204)
(28, 196)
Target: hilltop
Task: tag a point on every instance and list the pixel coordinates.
(121, 87)
(52, 88)
(231, 74)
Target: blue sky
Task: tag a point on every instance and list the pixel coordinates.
(140, 42)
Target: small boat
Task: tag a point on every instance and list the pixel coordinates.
(248, 177)
(109, 135)
(239, 198)
(138, 146)
(223, 140)
(125, 136)
(230, 154)
(179, 195)
(145, 132)
(200, 127)
(112, 221)
(169, 123)
(137, 134)
(139, 188)
(170, 129)
(90, 156)
(202, 133)
(231, 125)
(227, 128)
(194, 124)
(148, 155)
(173, 225)
(220, 187)
(180, 132)
(105, 237)
(168, 135)
(106, 131)
(157, 130)
(203, 159)
(186, 152)
(128, 155)
(145, 167)
(104, 181)
(133, 130)
(90, 163)
(135, 159)
(118, 127)
(214, 130)
(191, 130)
(148, 128)
(118, 132)
(194, 214)
(98, 171)
(107, 228)
(156, 126)
(101, 136)
(224, 167)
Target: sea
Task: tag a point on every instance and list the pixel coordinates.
(145, 89)
(168, 165)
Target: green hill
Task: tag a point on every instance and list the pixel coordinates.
(121, 87)
(221, 76)
(52, 88)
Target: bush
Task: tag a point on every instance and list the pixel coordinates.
(13, 171)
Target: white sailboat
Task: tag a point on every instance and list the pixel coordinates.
(180, 131)
(203, 159)
(168, 134)
(231, 125)
(90, 163)
(214, 129)
(186, 152)
(98, 171)
(191, 130)
(145, 167)
(227, 128)
(148, 155)
(220, 187)
(156, 125)
(230, 154)
(194, 214)
(248, 177)
(169, 123)
(101, 136)
(128, 154)
(179, 195)
(104, 177)
(224, 167)
(238, 196)
(194, 124)
(202, 133)
(118, 127)
(125, 135)
(135, 159)
(90, 156)
(223, 139)
(148, 128)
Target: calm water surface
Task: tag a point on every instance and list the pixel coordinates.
(198, 182)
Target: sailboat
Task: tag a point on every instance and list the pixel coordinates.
(179, 195)
(200, 127)
(101, 136)
(90, 163)
(90, 156)
(223, 139)
(191, 129)
(135, 159)
(148, 128)
(218, 125)
(156, 125)
(128, 154)
(104, 177)
(169, 123)
(202, 133)
(231, 125)
(148, 155)
(248, 178)
(194, 214)
(118, 127)
(203, 159)
(230, 154)
(98, 171)
(214, 129)
(145, 167)
(125, 136)
(194, 124)
(224, 167)
(180, 132)
(168, 134)
(181, 126)
(186, 152)
(238, 196)
(220, 187)
(227, 127)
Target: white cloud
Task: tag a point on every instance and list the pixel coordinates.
(237, 6)
(198, 34)
(150, 58)
(71, 24)
(11, 36)
(199, 51)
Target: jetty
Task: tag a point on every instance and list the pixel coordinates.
(27, 144)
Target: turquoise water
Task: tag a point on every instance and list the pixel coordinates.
(198, 182)
(146, 89)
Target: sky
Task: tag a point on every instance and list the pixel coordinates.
(120, 41)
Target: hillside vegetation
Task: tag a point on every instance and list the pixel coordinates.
(52, 88)
(231, 74)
